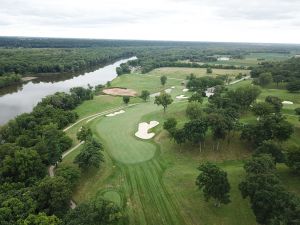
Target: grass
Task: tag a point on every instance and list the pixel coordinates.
(154, 180)
(182, 73)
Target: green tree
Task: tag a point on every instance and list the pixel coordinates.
(219, 128)
(40, 219)
(275, 101)
(84, 133)
(95, 212)
(194, 110)
(209, 70)
(90, 155)
(196, 97)
(70, 173)
(163, 80)
(293, 158)
(264, 79)
(126, 99)
(278, 79)
(195, 131)
(272, 148)
(21, 165)
(179, 136)
(52, 195)
(214, 183)
(170, 124)
(263, 109)
(297, 111)
(260, 165)
(145, 95)
(163, 99)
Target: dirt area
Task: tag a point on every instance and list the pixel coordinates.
(120, 92)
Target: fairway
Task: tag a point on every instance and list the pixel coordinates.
(118, 133)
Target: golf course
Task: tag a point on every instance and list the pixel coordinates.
(153, 180)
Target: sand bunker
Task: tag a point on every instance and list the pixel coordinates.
(120, 92)
(287, 103)
(185, 90)
(181, 97)
(143, 130)
(115, 113)
(168, 91)
(173, 87)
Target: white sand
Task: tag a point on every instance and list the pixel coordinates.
(208, 94)
(185, 90)
(168, 91)
(287, 103)
(143, 130)
(115, 113)
(173, 87)
(181, 97)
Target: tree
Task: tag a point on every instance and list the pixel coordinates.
(163, 99)
(243, 96)
(293, 159)
(84, 133)
(278, 79)
(126, 99)
(69, 173)
(52, 195)
(260, 165)
(145, 95)
(21, 165)
(41, 219)
(264, 79)
(95, 212)
(214, 183)
(209, 70)
(163, 80)
(293, 86)
(90, 155)
(195, 131)
(170, 124)
(272, 148)
(297, 111)
(179, 136)
(196, 97)
(194, 110)
(218, 125)
(263, 109)
(275, 101)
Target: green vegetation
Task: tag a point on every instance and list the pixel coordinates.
(117, 178)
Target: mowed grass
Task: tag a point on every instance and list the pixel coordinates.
(182, 73)
(118, 135)
(139, 82)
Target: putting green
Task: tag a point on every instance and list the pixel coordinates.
(118, 135)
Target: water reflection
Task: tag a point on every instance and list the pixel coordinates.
(22, 98)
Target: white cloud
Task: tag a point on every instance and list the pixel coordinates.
(194, 20)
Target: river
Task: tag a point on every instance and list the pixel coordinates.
(19, 99)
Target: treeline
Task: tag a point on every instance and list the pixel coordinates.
(9, 79)
(287, 71)
(35, 61)
(28, 145)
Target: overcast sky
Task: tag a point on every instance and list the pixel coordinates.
(191, 20)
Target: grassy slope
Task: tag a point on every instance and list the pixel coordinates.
(157, 186)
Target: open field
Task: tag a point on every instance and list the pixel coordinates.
(182, 73)
(154, 180)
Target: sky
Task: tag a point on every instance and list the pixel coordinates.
(268, 21)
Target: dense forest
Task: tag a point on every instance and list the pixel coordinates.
(29, 144)
(280, 72)
(24, 56)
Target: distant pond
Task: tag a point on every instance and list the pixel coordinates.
(19, 99)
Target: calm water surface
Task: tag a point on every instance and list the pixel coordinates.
(19, 99)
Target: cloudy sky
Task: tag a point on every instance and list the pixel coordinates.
(191, 20)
